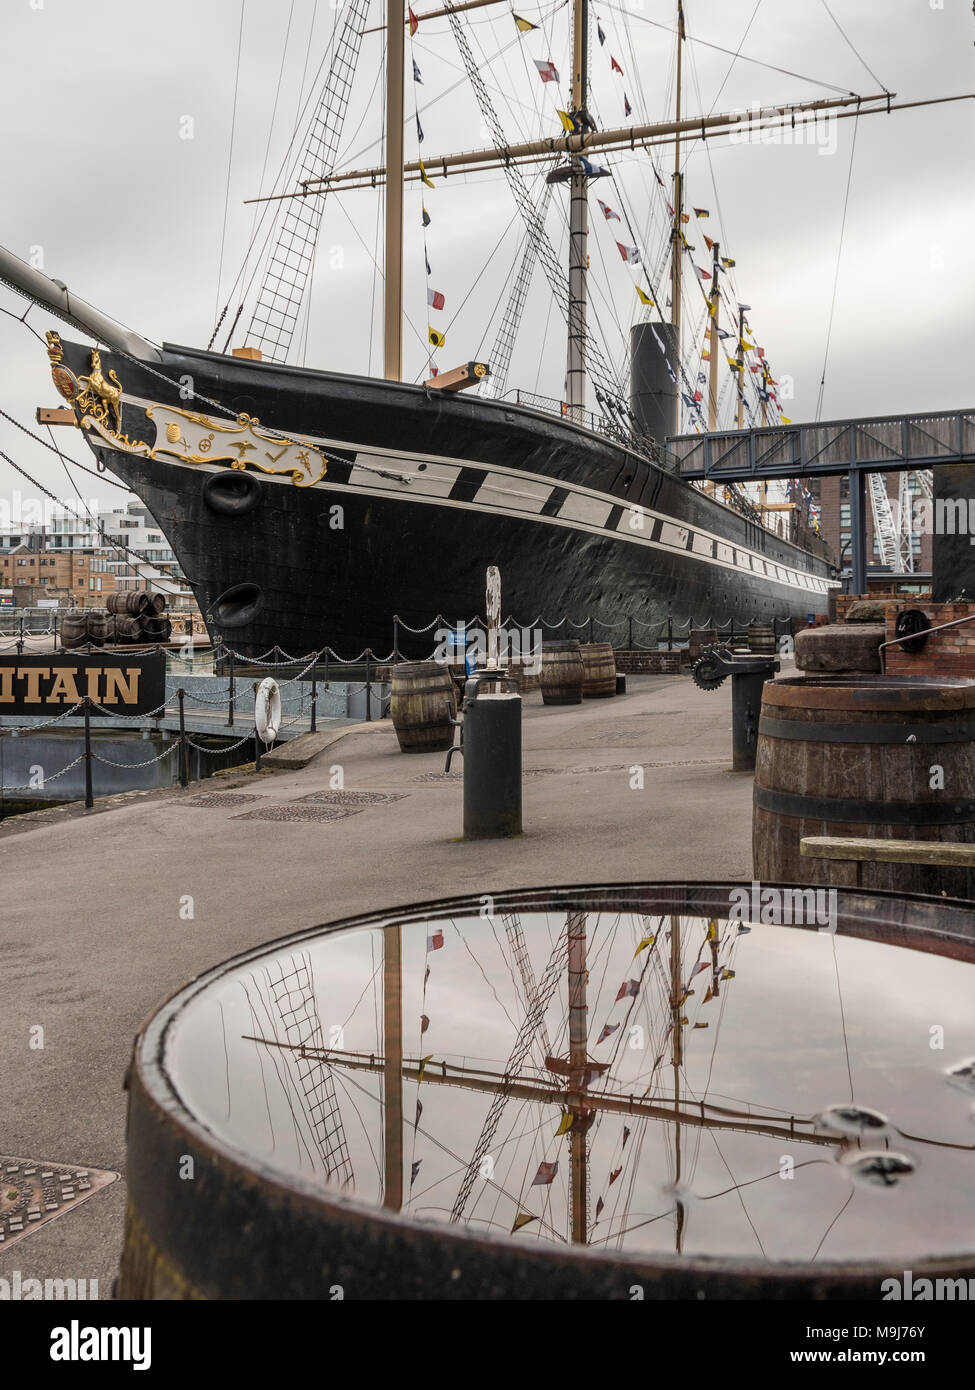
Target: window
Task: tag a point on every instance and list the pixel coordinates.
(81, 583)
(81, 559)
(22, 562)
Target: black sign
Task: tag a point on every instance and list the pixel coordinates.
(47, 685)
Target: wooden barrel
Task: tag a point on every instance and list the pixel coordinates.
(127, 628)
(155, 629)
(761, 639)
(562, 673)
(422, 703)
(97, 624)
(74, 629)
(156, 604)
(598, 670)
(867, 757)
(132, 601)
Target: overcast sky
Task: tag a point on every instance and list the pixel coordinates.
(100, 182)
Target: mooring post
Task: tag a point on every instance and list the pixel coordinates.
(395, 637)
(629, 635)
(314, 697)
(670, 634)
(55, 630)
(20, 640)
(183, 758)
(230, 690)
(368, 686)
(89, 795)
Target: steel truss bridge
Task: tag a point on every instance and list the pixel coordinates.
(861, 448)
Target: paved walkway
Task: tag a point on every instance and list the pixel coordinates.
(91, 937)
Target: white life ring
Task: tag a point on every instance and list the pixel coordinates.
(267, 710)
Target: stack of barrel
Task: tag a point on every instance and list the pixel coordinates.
(574, 671)
(131, 616)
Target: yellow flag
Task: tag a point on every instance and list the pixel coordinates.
(644, 298)
(423, 175)
(522, 1219)
(709, 243)
(700, 1025)
(524, 25)
(712, 930)
(647, 941)
(685, 217)
(423, 1067)
(565, 1124)
(786, 420)
(436, 338)
(567, 122)
(712, 308)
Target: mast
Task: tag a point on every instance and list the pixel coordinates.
(715, 341)
(393, 1068)
(393, 265)
(575, 372)
(578, 1065)
(677, 1004)
(740, 359)
(676, 235)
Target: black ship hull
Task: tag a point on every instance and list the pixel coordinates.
(422, 490)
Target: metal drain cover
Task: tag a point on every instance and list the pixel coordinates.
(210, 799)
(294, 810)
(34, 1191)
(357, 801)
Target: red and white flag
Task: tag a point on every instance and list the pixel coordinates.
(435, 942)
(546, 1174)
(547, 70)
(702, 274)
(435, 299)
(607, 211)
(629, 253)
(414, 22)
(629, 988)
(608, 1029)
(614, 66)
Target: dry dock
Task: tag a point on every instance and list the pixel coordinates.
(95, 924)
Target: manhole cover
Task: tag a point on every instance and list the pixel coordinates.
(440, 777)
(356, 801)
(211, 799)
(294, 810)
(33, 1191)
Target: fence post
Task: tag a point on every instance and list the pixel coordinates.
(368, 686)
(55, 631)
(629, 634)
(20, 640)
(230, 690)
(314, 699)
(670, 634)
(591, 639)
(89, 796)
(395, 637)
(183, 750)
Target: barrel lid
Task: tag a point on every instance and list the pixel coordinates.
(888, 693)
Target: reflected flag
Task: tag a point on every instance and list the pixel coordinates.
(608, 1030)
(599, 1207)
(565, 1124)
(626, 1135)
(435, 942)
(414, 1170)
(615, 1174)
(422, 1070)
(424, 1024)
(546, 1174)
(629, 989)
(522, 1219)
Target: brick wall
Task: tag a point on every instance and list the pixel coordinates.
(950, 653)
(653, 663)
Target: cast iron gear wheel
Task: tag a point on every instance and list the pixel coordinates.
(706, 672)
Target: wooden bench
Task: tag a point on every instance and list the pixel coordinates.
(882, 851)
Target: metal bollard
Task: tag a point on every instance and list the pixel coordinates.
(491, 748)
(748, 676)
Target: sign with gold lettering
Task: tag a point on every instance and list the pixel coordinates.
(48, 685)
